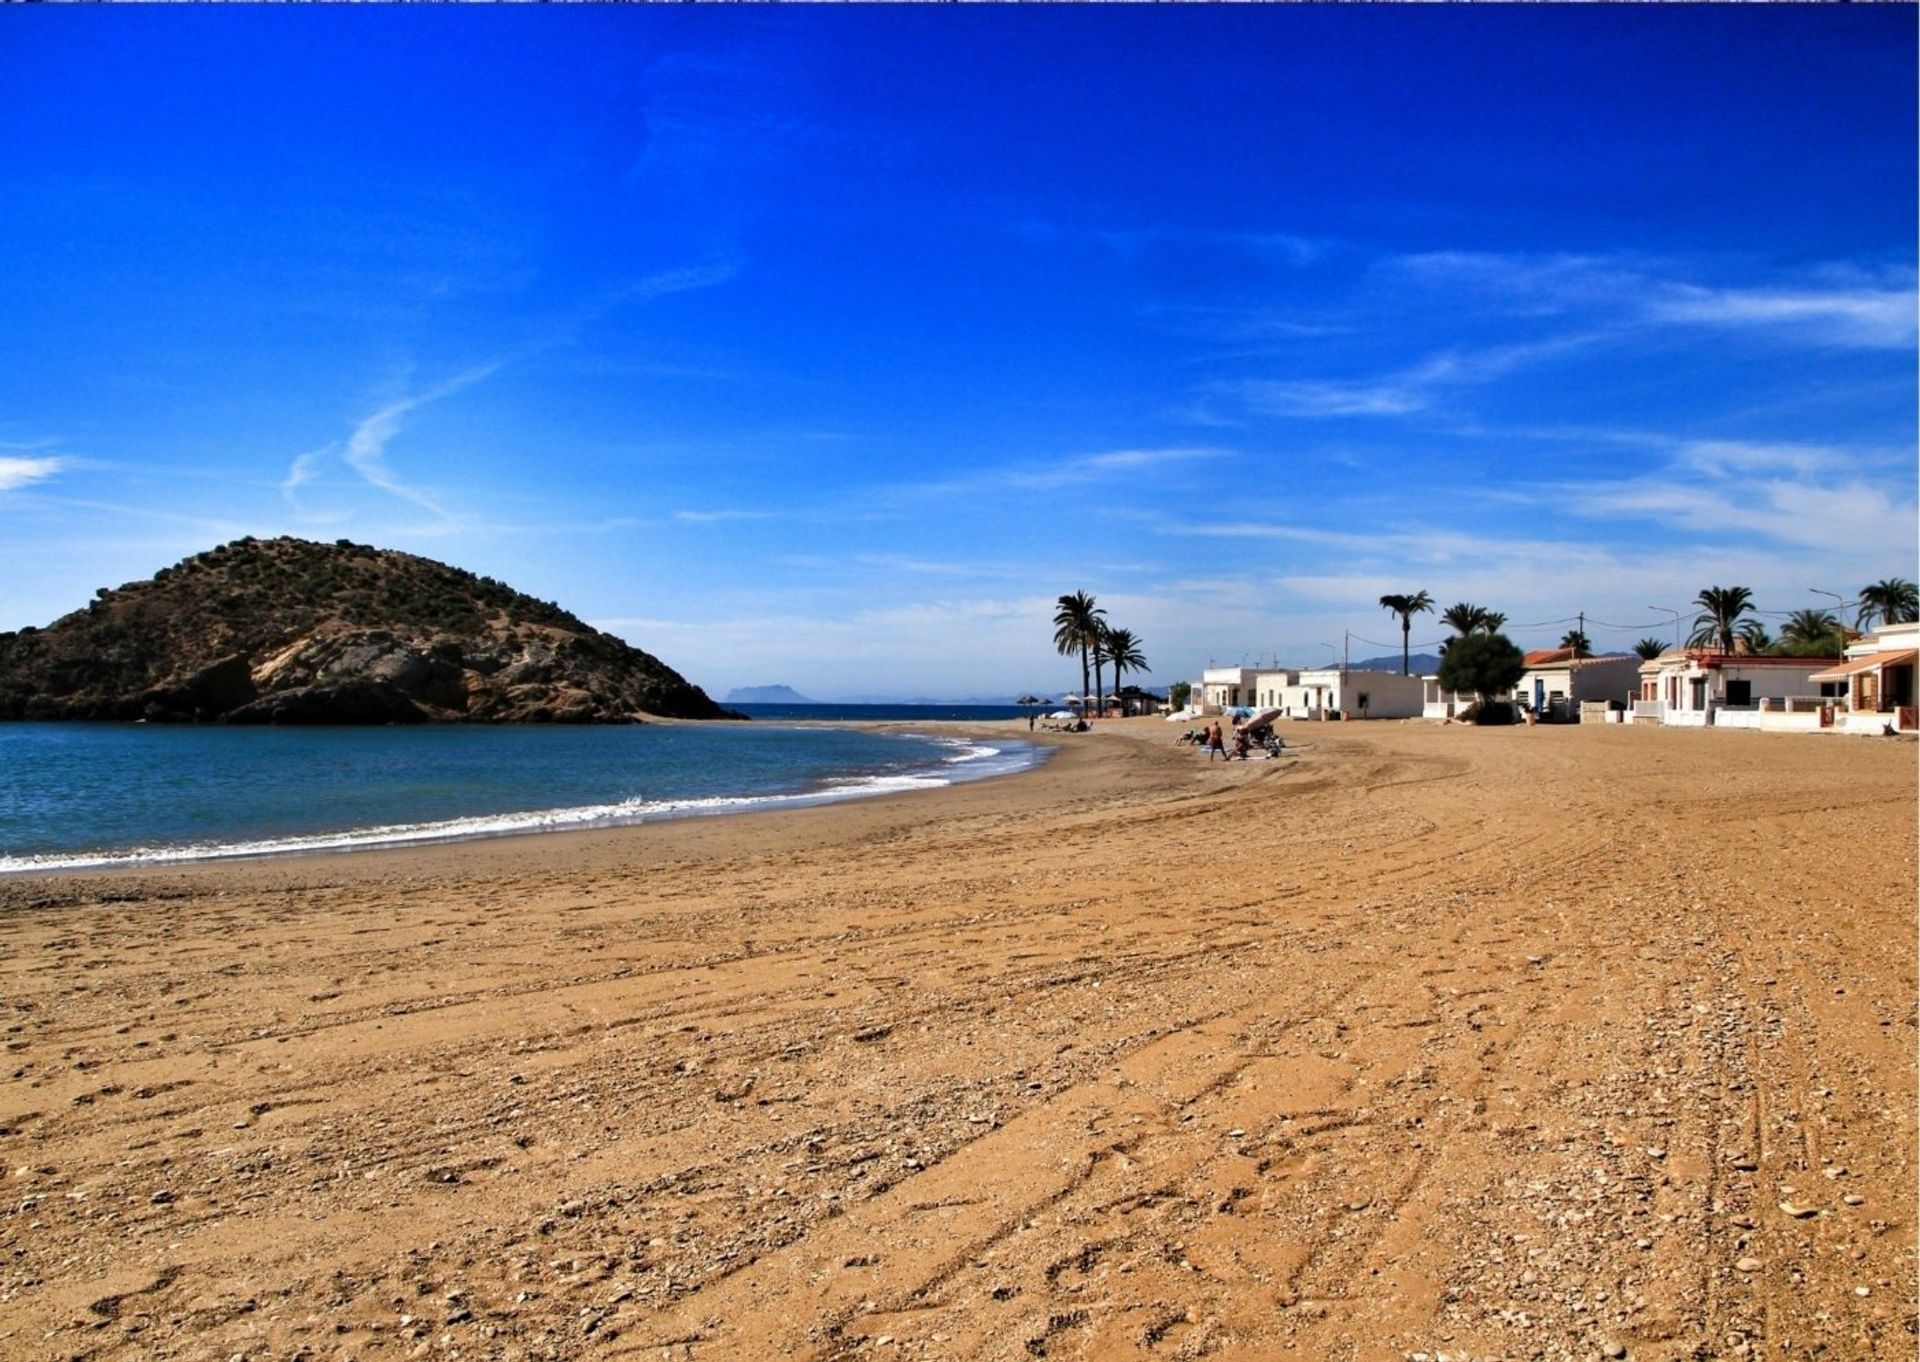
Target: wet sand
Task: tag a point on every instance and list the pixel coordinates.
(1538, 1043)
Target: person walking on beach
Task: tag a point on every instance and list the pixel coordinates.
(1216, 742)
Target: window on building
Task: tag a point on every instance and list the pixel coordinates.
(1739, 692)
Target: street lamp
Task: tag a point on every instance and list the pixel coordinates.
(1840, 603)
(1669, 610)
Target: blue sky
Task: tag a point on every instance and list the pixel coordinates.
(827, 346)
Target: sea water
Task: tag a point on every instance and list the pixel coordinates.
(74, 796)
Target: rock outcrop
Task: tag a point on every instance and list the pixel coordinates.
(293, 632)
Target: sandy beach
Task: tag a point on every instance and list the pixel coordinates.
(1526, 1043)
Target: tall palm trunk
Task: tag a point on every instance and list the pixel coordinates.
(1085, 677)
(1099, 680)
(1406, 637)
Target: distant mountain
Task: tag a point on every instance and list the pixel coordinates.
(289, 631)
(767, 695)
(1418, 664)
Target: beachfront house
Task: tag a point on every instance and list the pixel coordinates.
(1647, 706)
(1221, 688)
(1339, 692)
(1698, 687)
(1272, 689)
(1876, 676)
(1436, 703)
(1557, 682)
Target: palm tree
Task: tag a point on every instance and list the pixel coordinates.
(1719, 620)
(1466, 618)
(1076, 627)
(1754, 637)
(1649, 648)
(1894, 600)
(1123, 650)
(1574, 639)
(1406, 607)
(1814, 629)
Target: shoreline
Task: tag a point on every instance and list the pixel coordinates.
(1502, 1042)
(565, 820)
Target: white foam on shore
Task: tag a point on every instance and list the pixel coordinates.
(622, 814)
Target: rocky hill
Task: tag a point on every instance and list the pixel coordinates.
(288, 631)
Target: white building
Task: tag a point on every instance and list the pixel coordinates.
(1443, 704)
(1327, 692)
(1556, 682)
(1695, 688)
(1877, 677)
(1224, 688)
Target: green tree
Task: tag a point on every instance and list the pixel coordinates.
(1485, 665)
(1123, 650)
(1466, 618)
(1574, 639)
(1893, 600)
(1754, 636)
(1649, 648)
(1811, 633)
(1718, 623)
(1179, 693)
(1077, 623)
(1406, 607)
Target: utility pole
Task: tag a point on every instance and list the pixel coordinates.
(1582, 631)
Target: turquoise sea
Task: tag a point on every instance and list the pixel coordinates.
(82, 795)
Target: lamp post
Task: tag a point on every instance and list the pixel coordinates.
(1669, 610)
(1839, 604)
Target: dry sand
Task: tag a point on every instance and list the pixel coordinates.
(1428, 1041)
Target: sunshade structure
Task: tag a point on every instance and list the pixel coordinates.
(1259, 717)
(1877, 683)
(1872, 662)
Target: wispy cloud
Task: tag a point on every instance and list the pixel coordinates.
(1404, 391)
(1831, 305)
(1848, 516)
(1067, 470)
(365, 449)
(719, 517)
(17, 472)
(1865, 318)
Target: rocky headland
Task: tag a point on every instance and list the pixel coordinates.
(289, 631)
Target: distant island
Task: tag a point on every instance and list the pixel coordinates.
(768, 695)
(287, 631)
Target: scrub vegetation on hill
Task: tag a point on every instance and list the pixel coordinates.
(291, 631)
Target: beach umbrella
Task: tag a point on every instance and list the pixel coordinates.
(1029, 701)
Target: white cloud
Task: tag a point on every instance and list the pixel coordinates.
(1839, 305)
(1868, 318)
(1847, 517)
(1403, 391)
(1323, 397)
(719, 517)
(1065, 471)
(17, 472)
